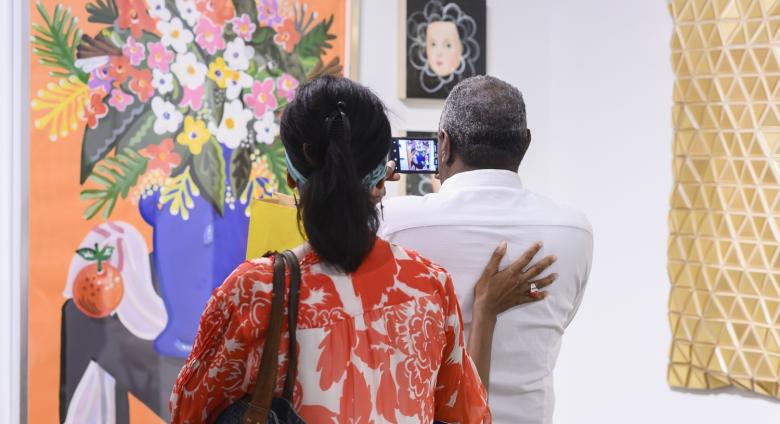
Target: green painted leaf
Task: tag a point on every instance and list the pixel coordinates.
(106, 252)
(275, 156)
(55, 42)
(309, 63)
(115, 176)
(209, 174)
(215, 100)
(263, 35)
(99, 142)
(102, 12)
(315, 42)
(240, 169)
(140, 134)
(87, 253)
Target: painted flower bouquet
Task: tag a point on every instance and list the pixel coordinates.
(180, 97)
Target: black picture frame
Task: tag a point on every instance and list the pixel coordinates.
(424, 80)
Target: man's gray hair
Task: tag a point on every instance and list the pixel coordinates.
(486, 122)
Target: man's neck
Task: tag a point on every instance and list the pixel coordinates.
(459, 167)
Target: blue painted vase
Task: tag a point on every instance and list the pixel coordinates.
(191, 258)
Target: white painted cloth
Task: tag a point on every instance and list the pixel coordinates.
(459, 228)
(94, 401)
(141, 310)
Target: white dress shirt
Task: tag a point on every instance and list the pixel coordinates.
(459, 228)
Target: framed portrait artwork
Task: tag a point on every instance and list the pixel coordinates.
(154, 125)
(443, 42)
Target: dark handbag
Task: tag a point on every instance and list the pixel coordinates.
(261, 407)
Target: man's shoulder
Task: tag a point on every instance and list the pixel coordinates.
(552, 212)
(524, 208)
(402, 212)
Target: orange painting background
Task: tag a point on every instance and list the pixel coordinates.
(57, 225)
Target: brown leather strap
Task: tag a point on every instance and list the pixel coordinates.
(266, 377)
(292, 323)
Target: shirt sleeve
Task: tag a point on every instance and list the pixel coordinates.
(211, 378)
(460, 395)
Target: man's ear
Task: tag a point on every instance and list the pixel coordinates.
(291, 182)
(445, 147)
(528, 135)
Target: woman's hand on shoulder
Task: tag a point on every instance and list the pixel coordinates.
(496, 291)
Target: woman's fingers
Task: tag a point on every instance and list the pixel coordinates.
(495, 260)
(522, 293)
(544, 282)
(538, 268)
(517, 267)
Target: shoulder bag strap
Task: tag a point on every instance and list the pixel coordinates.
(292, 316)
(260, 405)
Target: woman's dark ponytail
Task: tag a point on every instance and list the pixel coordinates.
(335, 132)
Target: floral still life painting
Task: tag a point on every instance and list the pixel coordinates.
(154, 124)
(167, 88)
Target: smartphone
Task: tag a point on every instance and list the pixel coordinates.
(415, 155)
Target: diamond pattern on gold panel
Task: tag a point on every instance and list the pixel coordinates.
(724, 254)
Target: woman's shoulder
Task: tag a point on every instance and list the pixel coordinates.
(403, 253)
(254, 275)
(411, 262)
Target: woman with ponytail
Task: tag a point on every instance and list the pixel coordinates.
(379, 331)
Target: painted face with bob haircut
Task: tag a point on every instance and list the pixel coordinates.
(443, 47)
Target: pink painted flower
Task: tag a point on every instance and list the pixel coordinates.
(209, 36)
(159, 57)
(244, 27)
(192, 97)
(120, 100)
(262, 97)
(134, 51)
(285, 86)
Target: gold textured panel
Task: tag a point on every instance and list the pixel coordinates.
(724, 253)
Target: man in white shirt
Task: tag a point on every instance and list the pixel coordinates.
(482, 139)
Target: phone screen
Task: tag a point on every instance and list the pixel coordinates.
(415, 155)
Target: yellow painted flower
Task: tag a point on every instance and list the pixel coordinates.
(194, 135)
(220, 73)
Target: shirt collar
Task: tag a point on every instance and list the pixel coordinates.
(482, 178)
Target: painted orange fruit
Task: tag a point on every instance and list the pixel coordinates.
(98, 287)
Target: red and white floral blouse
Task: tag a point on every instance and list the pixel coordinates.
(383, 344)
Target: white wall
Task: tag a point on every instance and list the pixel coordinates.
(524, 64)
(12, 120)
(597, 80)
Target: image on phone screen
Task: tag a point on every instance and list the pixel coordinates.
(416, 155)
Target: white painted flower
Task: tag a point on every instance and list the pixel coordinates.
(189, 71)
(174, 34)
(266, 129)
(233, 128)
(162, 81)
(237, 54)
(189, 11)
(168, 118)
(158, 10)
(236, 82)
